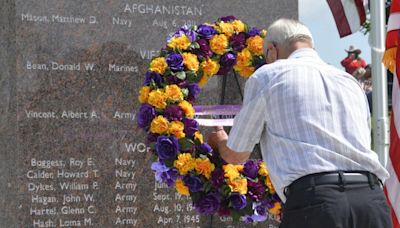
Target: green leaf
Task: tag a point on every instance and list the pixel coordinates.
(207, 186)
(196, 45)
(195, 196)
(152, 146)
(192, 77)
(168, 72)
(181, 75)
(185, 91)
(216, 58)
(235, 215)
(169, 162)
(185, 144)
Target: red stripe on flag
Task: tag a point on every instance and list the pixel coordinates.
(340, 17)
(361, 11)
(394, 150)
(395, 6)
(395, 221)
(391, 39)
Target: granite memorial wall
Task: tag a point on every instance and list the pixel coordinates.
(71, 153)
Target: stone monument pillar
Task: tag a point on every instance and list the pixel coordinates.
(71, 153)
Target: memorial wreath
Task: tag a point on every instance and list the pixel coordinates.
(183, 160)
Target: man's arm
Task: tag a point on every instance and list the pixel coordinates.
(217, 140)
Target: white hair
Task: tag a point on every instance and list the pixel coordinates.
(287, 31)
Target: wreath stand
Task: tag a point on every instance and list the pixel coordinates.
(222, 102)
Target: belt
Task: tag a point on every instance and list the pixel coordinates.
(340, 178)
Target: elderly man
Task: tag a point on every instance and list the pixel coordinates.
(312, 122)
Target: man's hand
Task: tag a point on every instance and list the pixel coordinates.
(217, 140)
(216, 137)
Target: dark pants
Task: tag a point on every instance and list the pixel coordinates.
(344, 205)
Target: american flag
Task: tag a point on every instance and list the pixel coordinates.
(392, 60)
(349, 15)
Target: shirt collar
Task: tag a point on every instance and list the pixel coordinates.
(304, 53)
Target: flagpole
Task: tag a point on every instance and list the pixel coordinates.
(379, 81)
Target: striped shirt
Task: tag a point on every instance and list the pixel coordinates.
(308, 117)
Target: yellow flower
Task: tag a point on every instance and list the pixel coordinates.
(198, 136)
(263, 33)
(226, 28)
(210, 67)
(276, 209)
(144, 94)
(187, 108)
(176, 128)
(158, 99)
(255, 44)
(263, 169)
(268, 183)
(203, 81)
(182, 42)
(232, 171)
(244, 58)
(158, 65)
(238, 26)
(159, 125)
(185, 163)
(191, 62)
(238, 185)
(204, 167)
(244, 71)
(219, 44)
(173, 93)
(181, 187)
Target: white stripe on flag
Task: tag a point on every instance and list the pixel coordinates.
(396, 103)
(353, 18)
(394, 22)
(393, 189)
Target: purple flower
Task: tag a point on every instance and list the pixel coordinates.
(191, 126)
(153, 76)
(256, 190)
(206, 31)
(253, 218)
(217, 177)
(223, 70)
(238, 41)
(204, 148)
(237, 201)
(163, 173)
(175, 62)
(193, 182)
(169, 177)
(186, 31)
(259, 209)
(224, 211)
(208, 204)
(228, 59)
(172, 80)
(194, 89)
(167, 147)
(254, 31)
(204, 51)
(250, 169)
(173, 112)
(268, 203)
(151, 138)
(146, 115)
(227, 18)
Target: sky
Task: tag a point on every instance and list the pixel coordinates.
(316, 15)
